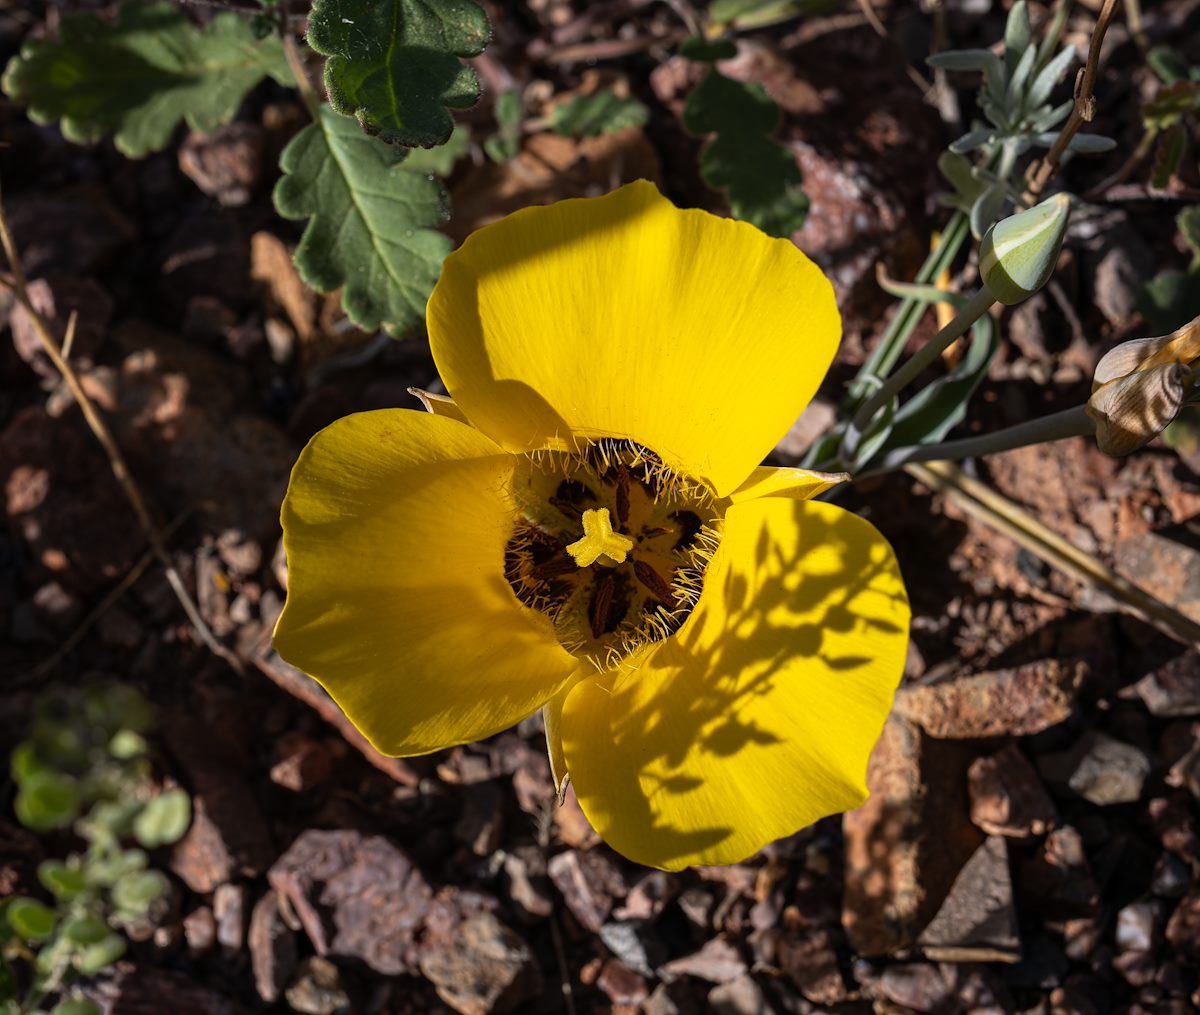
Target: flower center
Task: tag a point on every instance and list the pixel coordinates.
(611, 545)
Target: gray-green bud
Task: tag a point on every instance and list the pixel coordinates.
(1016, 256)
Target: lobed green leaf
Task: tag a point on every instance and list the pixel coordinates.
(760, 177)
(46, 801)
(394, 64)
(369, 222)
(31, 920)
(138, 77)
(603, 112)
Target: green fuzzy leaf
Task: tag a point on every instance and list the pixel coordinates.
(1169, 150)
(114, 707)
(394, 64)
(603, 112)
(703, 50)
(439, 161)
(760, 177)
(97, 956)
(30, 919)
(63, 882)
(139, 77)
(47, 800)
(1171, 104)
(1017, 35)
(164, 819)
(368, 229)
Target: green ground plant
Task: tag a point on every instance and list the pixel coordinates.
(84, 771)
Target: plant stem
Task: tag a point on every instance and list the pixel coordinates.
(303, 82)
(1068, 423)
(116, 460)
(1083, 111)
(976, 307)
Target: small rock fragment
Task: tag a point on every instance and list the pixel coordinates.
(200, 930)
(1173, 690)
(1007, 797)
(1183, 929)
(303, 763)
(977, 922)
(528, 890)
(317, 989)
(807, 956)
(225, 164)
(907, 843)
(229, 909)
(357, 897)
(272, 947)
(1137, 927)
(587, 881)
(1013, 702)
(621, 984)
(1099, 768)
(485, 968)
(742, 996)
(717, 961)
(201, 859)
(634, 945)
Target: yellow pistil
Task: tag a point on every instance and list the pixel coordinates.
(599, 540)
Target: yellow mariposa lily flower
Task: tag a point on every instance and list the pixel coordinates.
(583, 529)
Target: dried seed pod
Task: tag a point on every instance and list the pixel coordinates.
(1132, 410)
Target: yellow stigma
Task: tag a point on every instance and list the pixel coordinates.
(599, 540)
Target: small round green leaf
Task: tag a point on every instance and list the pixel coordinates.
(30, 919)
(46, 801)
(64, 882)
(126, 745)
(164, 819)
(103, 953)
(75, 1006)
(136, 892)
(85, 929)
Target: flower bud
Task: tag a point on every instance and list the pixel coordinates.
(1018, 254)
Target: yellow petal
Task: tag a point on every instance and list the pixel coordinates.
(798, 484)
(552, 720)
(624, 316)
(758, 717)
(395, 525)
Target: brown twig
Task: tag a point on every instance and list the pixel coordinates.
(1083, 112)
(303, 82)
(100, 429)
(1002, 514)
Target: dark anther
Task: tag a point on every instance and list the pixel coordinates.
(552, 568)
(689, 526)
(601, 605)
(543, 546)
(653, 581)
(571, 496)
(622, 493)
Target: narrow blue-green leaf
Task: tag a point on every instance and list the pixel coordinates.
(942, 404)
(1014, 96)
(1017, 35)
(971, 140)
(369, 222)
(1049, 76)
(1082, 144)
(139, 77)
(964, 60)
(395, 64)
